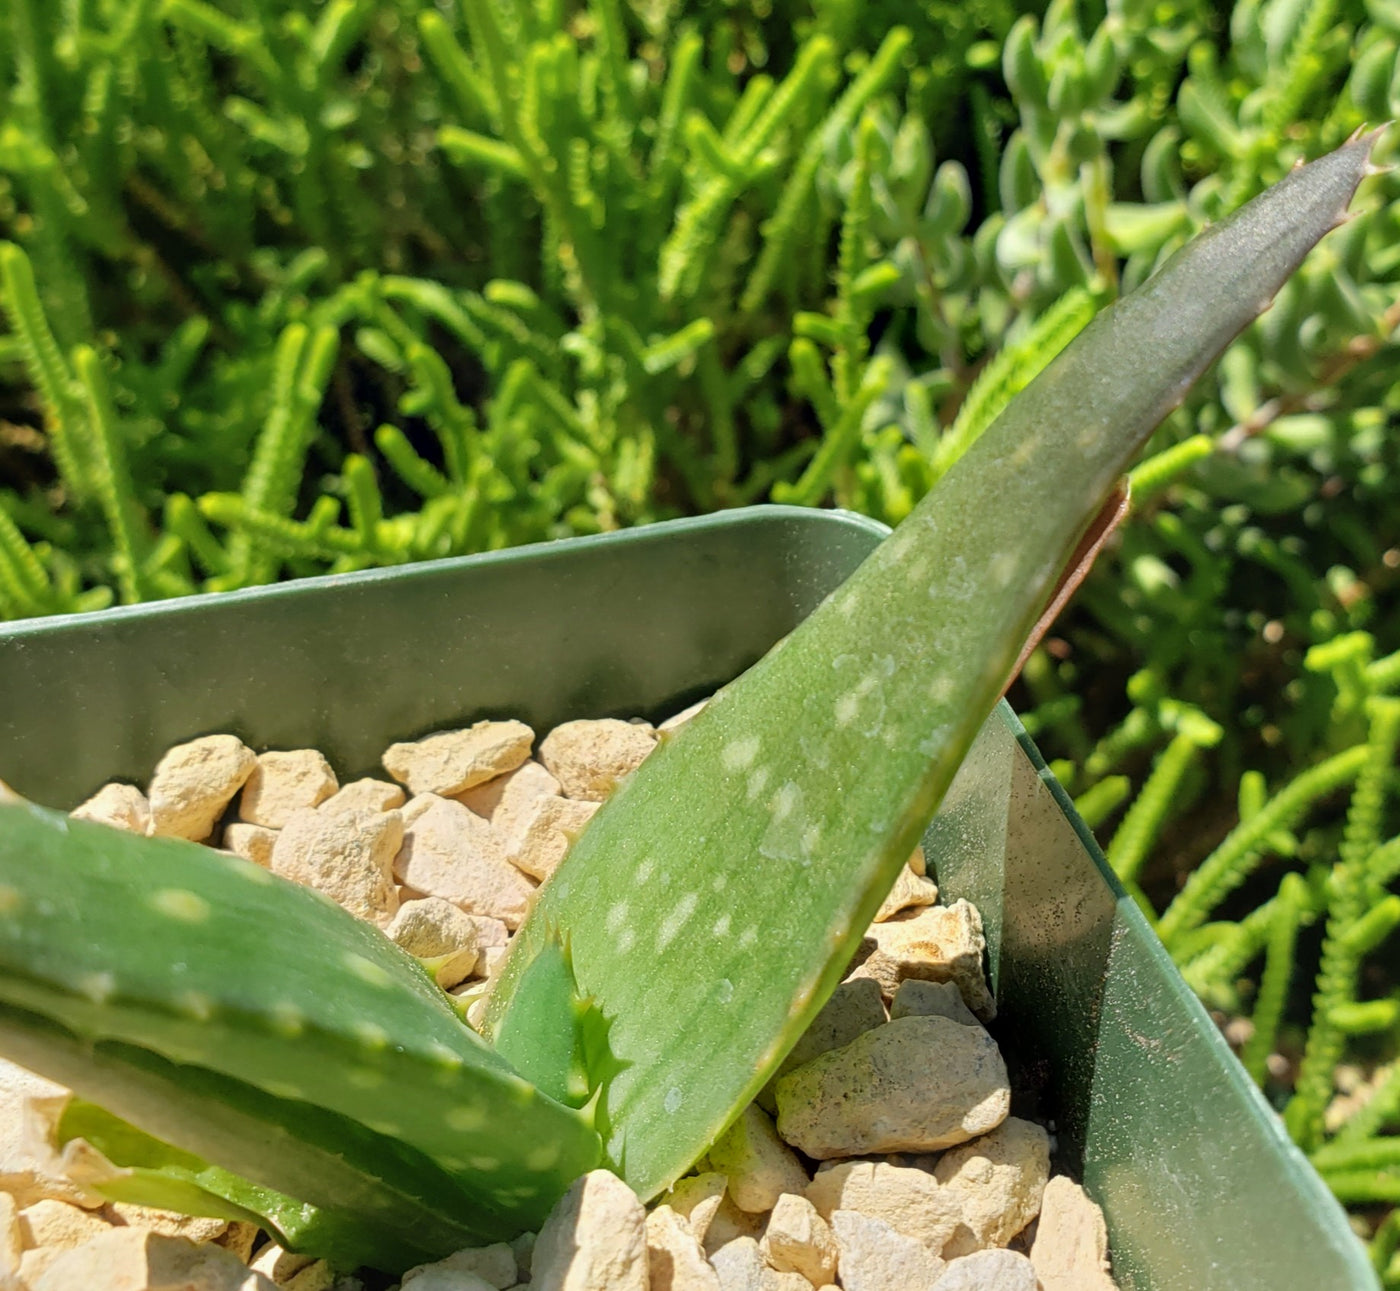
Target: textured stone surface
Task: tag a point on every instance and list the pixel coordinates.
(251, 842)
(435, 930)
(728, 1223)
(675, 1259)
(453, 761)
(123, 806)
(11, 1242)
(910, 891)
(998, 1180)
(502, 799)
(910, 1201)
(1070, 1251)
(450, 852)
(938, 944)
(285, 781)
(436, 1277)
(347, 855)
(875, 1257)
(931, 999)
(128, 1259)
(995, 1270)
(759, 1165)
(194, 783)
(798, 1240)
(367, 794)
(594, 1239)
(740, 1266)
(169, 1223)
(59, 1226)
(696, 1199)
(909, 1086)
(30, 1169)
(492, 1265)
(589, 757)
(853, 1009)
(544, 831)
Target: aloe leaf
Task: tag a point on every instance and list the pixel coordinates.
(715, 900)
(398, 1214)
(256, 1024)
(153, 1173)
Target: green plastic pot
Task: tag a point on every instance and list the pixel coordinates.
(1201, 1187)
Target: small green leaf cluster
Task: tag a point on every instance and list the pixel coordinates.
(374, 282)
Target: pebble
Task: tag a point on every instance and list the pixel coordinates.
(169, 1223)
(280, 1265)
(589, 757)
(910, 891)
(876, 1257)
(450, 852)
(347, 855)
(30, 1169)
(130, 1259)
(675, 1259)
(502, 799)
(453, 761)
(58, 1225)
(740, 1266)
(437, 1277)
(798, 1240)
(915, 998)
(997, 1180)
(1070, 1251)
(696, 1199)
(728, 1223)
(595, 1239)
(938, 944)
(854, 1008)
(123, 806)
(435, 930)
(283, 782)
(759, 1165)
(11, 1243)
(912, 1085)
(194, 783)
(544, 831)
(251, 842)
(997, 1270)
(492, 1266)
(367, 794)
(910, 1201)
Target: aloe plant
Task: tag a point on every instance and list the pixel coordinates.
(695, 927)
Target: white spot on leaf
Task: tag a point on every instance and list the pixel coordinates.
(177, 903)
(676, 920)
(740, 753)
(466, 1118)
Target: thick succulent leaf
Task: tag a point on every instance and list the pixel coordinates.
(407, 1210)
(715, 900)
(153, 953)
(147, 1172)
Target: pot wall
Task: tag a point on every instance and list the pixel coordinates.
(1201, 1187)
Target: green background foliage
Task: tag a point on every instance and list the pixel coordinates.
(305, 287)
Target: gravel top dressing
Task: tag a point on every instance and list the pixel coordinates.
(880, 1157)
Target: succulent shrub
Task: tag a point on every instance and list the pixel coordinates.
(779, 816)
